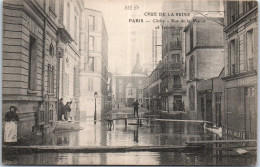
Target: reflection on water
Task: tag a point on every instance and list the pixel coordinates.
(149, 134)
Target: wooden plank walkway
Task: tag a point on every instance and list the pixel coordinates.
(219, 142)
(180, 120)
(92, 149)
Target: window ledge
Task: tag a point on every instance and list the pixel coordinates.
(32, 91)
(51, 94)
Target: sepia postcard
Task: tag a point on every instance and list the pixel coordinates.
(129, 82)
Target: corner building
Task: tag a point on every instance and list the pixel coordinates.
(94, 64)
(241, 51)
(34, 40)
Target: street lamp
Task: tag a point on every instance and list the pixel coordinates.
(95, 114)
(166, 90)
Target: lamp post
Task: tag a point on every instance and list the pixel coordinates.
(95, 114)
(167, 102)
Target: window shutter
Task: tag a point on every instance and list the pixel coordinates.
(52, 79)
(34, 66)
(255, 43)
(245, 51)
(237, 54)
(229, 58)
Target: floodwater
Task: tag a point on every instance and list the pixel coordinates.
(158, 133)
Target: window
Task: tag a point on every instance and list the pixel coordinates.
(191, 38)
(175, 58)
(89, 66)
(176, 39)
(130, 92)
(68, 16)
(177, 81)
(90, 84)
(76, 29)
(91, 23)
(250, 49)
(177, 103)
(51, 51)
(232, 58)
(66, 84)
(192, 68)
(192, 97)
(50, 83)
(140, 91)
(91, 44)
(32, 64)
(120, 88)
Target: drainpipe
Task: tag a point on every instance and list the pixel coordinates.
(43, 61)
(43, 56)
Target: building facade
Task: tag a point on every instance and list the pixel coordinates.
(94, 63)
(172, 72)
(210, 104)
(70, 62)
(204, 48)
(129, 88)
(241, 35)
(34, 43)
(154, 86)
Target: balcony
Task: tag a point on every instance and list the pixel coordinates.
(175, 45)
(171, 68)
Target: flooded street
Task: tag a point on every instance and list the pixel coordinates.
(156, 134)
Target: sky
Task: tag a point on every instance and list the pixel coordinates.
(127, 38)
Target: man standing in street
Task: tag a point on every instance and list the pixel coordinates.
(136, 107)
(67, 110)
(11, 119)
(61, 109)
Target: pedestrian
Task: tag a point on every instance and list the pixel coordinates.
(60, 109)
(136, 107)
(67, 110)
(183, 106)
(11, 119)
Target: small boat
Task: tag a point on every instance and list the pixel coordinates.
(214, 129)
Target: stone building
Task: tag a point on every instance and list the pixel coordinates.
(154, 87)
(210, 104)
(172, 71)
(69, 63)
(129, 88)
(94, 63)
(241, 42)
(34, 42)
(204, 47)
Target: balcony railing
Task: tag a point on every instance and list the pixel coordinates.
(171, 67)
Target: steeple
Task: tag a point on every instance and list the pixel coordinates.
(137, 68)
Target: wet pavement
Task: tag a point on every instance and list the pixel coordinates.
(158, 133)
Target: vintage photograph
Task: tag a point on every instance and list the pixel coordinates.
(129, 82)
